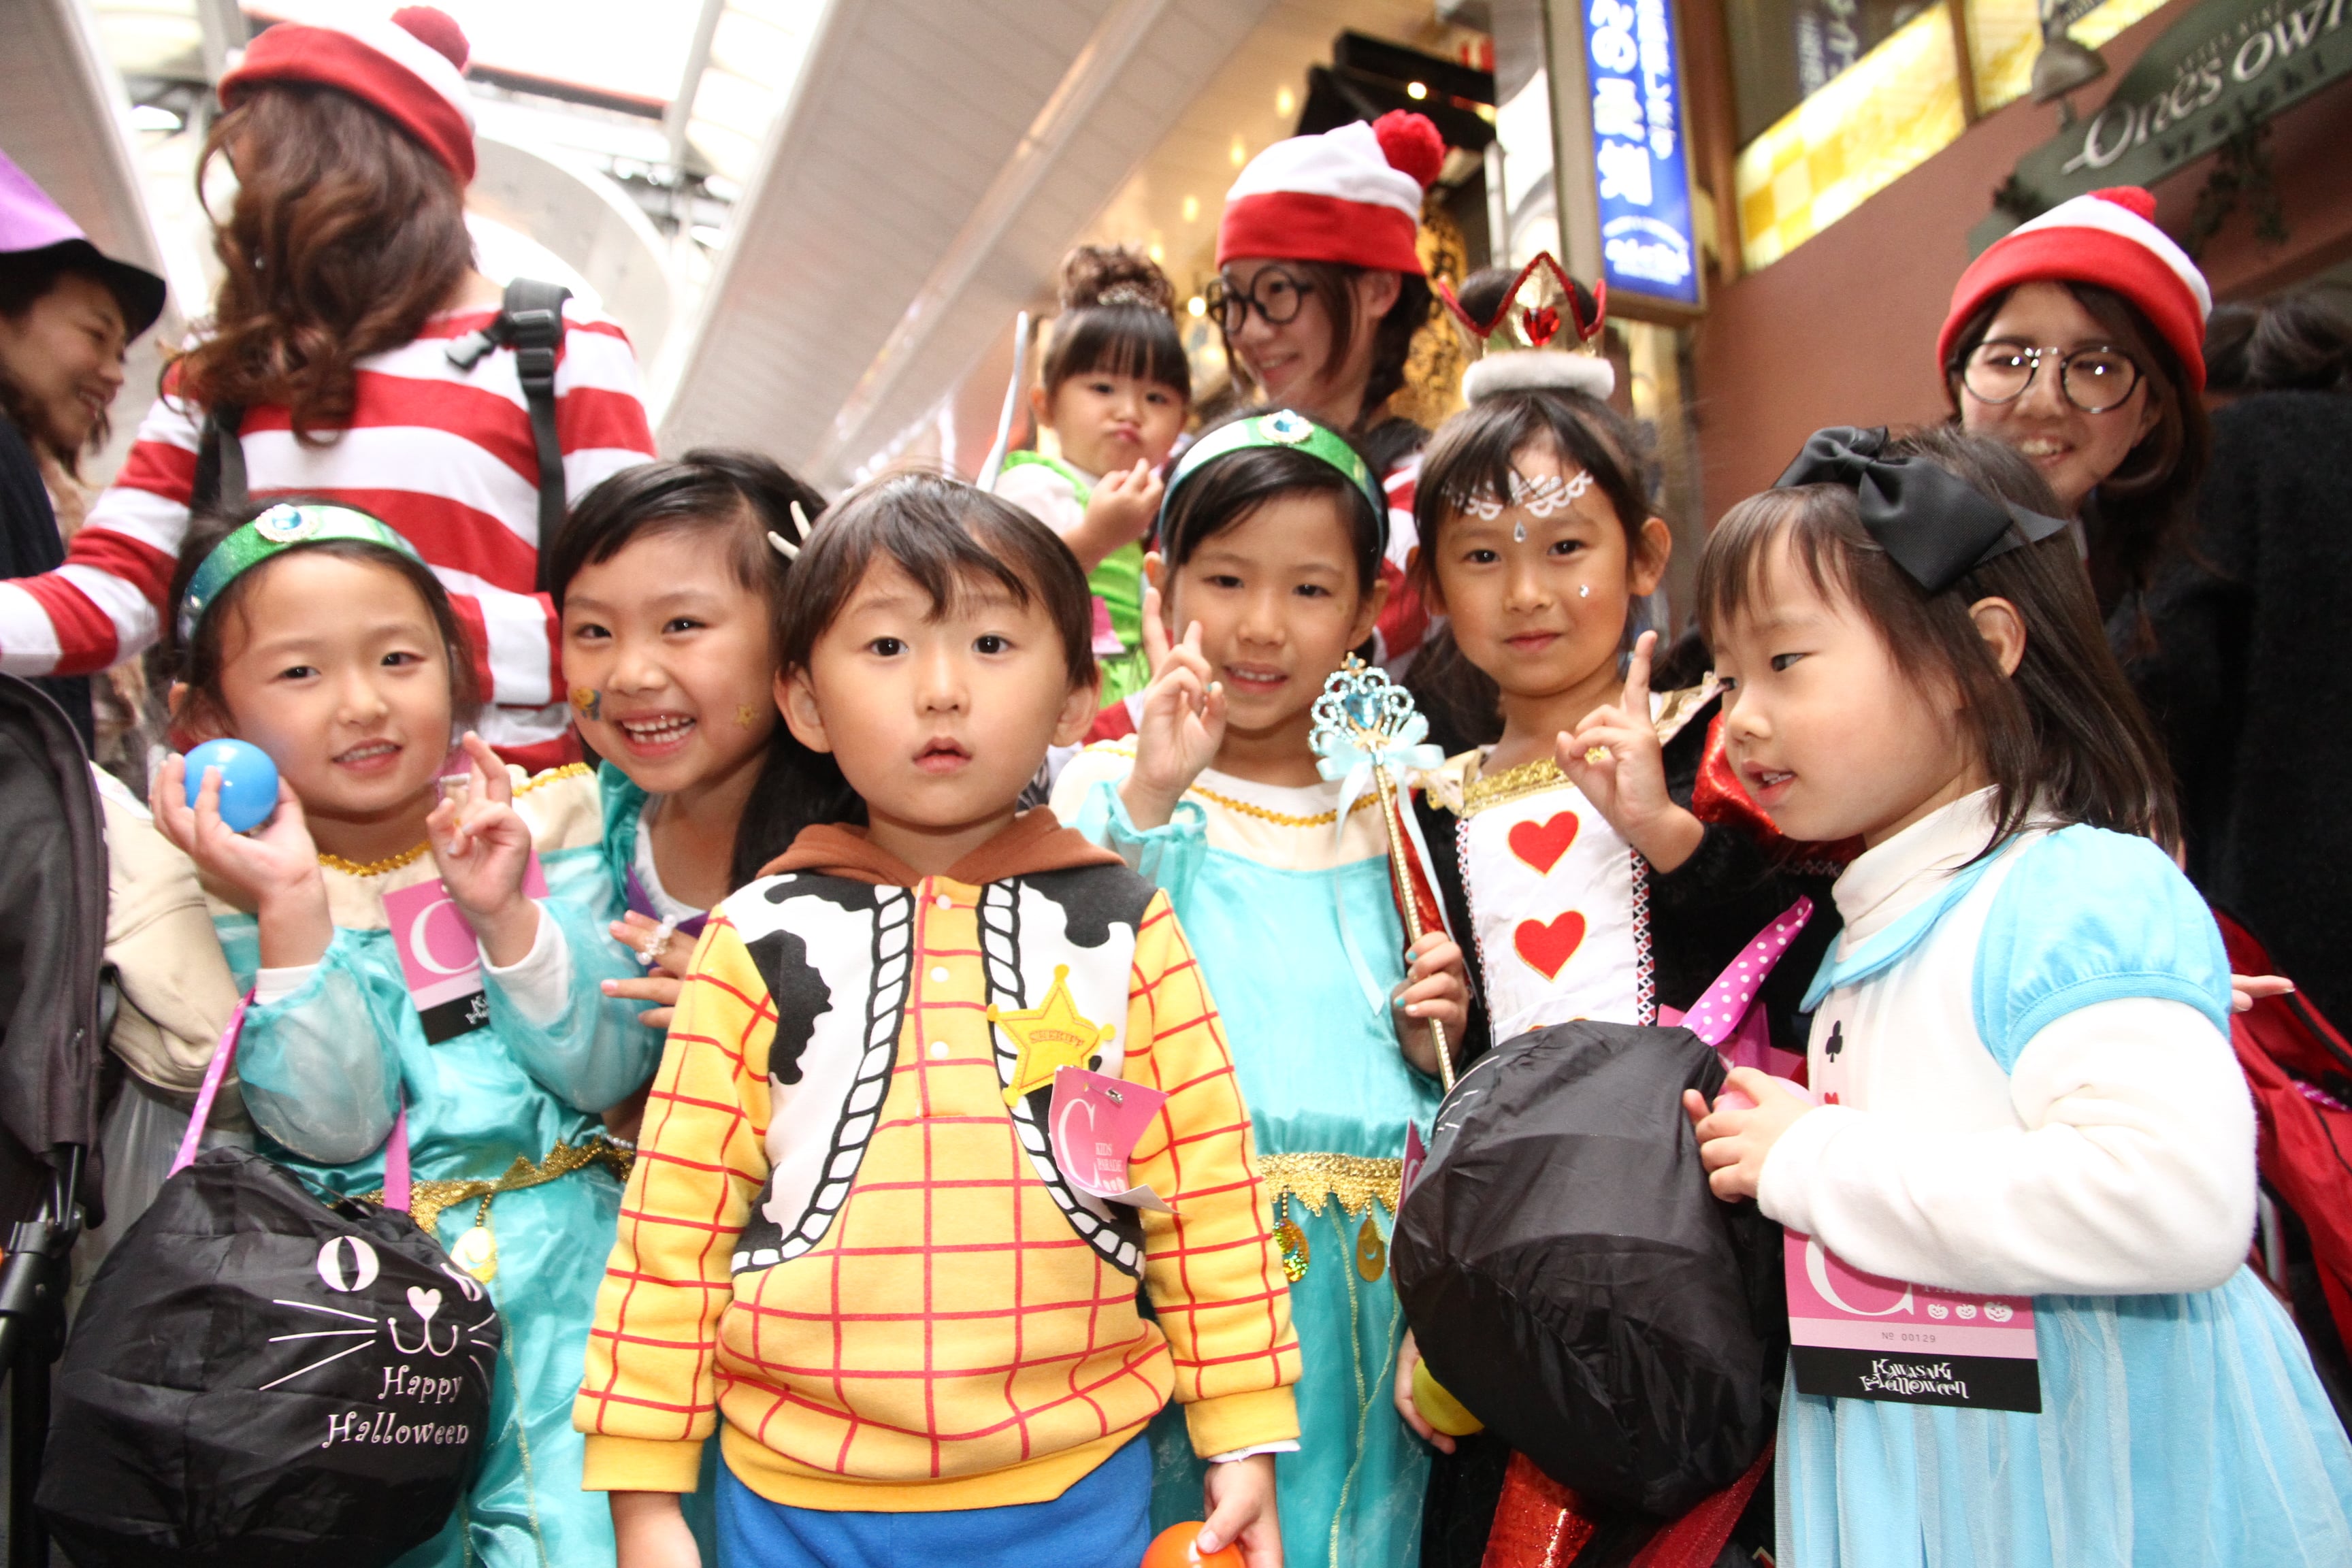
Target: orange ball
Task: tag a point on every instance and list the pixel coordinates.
(1172, 1547)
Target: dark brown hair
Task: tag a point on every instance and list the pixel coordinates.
(344, 235)
(197, 660)
(1333, 282)
(738, 497)
(2296, 343)
(2062, 739)
(1471, 455)
(949, 538)
(2137, 516)
(1226, 489)
(1118, 318)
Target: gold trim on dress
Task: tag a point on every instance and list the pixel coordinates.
(1279, 819)
(427, 1199)
(554, 775)
(1355, 1182)
(375, 868)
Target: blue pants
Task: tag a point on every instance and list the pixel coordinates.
(1103, 1521)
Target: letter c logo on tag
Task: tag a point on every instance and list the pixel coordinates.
(1071, 1151)
(360, 1271)
(1817, 1271)
(420, 941)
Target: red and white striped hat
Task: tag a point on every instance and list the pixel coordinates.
(1351, 194)
(411, 69)
(2109, 239)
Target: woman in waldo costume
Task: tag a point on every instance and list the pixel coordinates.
(327, 369)
(1319, 290)
(1271, 537)
(422, 974)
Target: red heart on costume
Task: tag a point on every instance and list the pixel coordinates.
(1542, 844)
(1546, 948)
(1541, 325)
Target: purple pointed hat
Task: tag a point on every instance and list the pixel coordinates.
(30, 221)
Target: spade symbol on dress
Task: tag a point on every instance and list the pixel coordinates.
(1836, 1040)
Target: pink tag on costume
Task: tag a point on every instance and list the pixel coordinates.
(1093, 1123)
(1107, 643)
(439, 957)
(1857, 1336)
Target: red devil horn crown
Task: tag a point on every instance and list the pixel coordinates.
(1547, 333)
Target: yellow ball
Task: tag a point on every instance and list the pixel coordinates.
(1439, 1408)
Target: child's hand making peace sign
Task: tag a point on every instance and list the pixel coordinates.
(483, 849)
(1181, 725)
(1615, 758)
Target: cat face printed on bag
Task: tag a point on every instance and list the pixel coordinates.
(427, 1355)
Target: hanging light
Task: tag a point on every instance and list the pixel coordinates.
(2063, 65)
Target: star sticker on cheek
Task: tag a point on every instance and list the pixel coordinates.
(1051, 1037)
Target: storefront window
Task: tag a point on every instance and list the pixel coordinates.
(2005, 35)
(1872, 122)
(1784, 51)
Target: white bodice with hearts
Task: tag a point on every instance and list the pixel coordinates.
(1559, 903)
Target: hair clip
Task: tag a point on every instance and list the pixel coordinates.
(785, 547)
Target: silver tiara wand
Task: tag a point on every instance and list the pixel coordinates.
(1366, 734)
(993, 464)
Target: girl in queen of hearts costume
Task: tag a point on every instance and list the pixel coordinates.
(2019, 1040)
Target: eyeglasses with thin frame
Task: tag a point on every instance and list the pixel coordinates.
(2094, 380)
(1275, 294)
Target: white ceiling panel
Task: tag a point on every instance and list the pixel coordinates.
(932, 166)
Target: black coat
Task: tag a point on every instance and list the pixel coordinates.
(29, 545)
(2250, 679)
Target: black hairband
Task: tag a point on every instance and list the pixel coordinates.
(1934, 524)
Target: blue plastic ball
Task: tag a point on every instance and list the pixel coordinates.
(248, 791)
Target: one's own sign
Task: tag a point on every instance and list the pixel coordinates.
(2225, 65)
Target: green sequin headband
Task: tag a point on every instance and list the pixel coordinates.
(1283, 428)
(279, 528)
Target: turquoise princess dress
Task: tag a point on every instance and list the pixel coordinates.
(1291, 918)
(325, 1066)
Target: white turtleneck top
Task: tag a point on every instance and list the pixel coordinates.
(2034, 1088)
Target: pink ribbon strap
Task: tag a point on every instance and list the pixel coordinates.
(1718, 1014)
(396, 1148)
(222, 1054)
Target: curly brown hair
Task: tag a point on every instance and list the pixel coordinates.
(344, 235)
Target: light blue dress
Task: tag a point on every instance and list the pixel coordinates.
(1301, 945)
(2182, 1430)
(326, 1067)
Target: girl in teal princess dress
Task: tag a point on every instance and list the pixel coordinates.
(1273, 532)
(398, 959)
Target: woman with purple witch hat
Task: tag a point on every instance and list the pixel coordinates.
(68, 312)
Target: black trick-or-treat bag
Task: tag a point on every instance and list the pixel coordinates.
(267, 1376)
(1569, 1275)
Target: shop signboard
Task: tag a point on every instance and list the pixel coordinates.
(2224, 66)
(1640, 160)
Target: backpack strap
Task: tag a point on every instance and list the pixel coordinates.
(219, 487)
(531, 319)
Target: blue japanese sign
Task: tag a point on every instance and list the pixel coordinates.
(1640, 166)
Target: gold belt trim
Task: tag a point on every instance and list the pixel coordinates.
(427, 1199)
(1352, 1181)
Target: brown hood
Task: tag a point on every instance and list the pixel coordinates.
(1034, 841)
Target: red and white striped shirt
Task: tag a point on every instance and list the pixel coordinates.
(444, 455)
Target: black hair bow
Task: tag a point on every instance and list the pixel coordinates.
(1935, 525)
